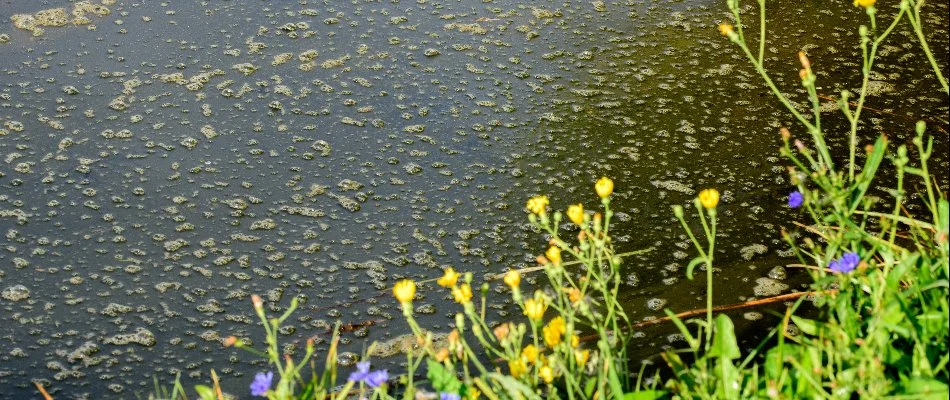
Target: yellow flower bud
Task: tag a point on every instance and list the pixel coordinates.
(554, 255)
(725, 29)
(534, 308)
(442, 354)
(472, 393)
(405, 291)
(576, 213)
(864, 3)
(546, 374)
(554, 331)
(581, 357)
(449, 278)
(230, 341)
(502, 331)
(574, 294)
(709, 198)
(462, 294)
(537, 204)
(530, 353)
(516, 368)
(604, 187)
(513, 279)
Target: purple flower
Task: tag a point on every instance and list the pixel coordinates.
(371, 378)
(847, 263)
(362, 369)
(449, 396)
(795, 199)
(377, 378)
(261, 383)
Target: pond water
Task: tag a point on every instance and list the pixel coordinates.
(166, 160)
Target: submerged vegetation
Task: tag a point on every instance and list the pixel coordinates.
(872, 236)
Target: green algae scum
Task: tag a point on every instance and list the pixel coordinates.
(163, 161)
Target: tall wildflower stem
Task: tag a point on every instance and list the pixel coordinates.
(868, 56)
(915, 22)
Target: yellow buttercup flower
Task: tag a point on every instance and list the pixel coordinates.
(546, 374)
(534, 308)
(864, 3)
(576, 213)
(449, 278)
(553, 331)
(512, 279)
(462, 294)
(709, 198)
(575, 340)
(604, 187)
(405, 291)
(537, 204)
(516, 368)
(553, 254)
(530, 353)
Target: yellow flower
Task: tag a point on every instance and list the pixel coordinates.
(576, 213)
(604, 187)
(709, 198)
(530, 353)
(575, 340)
(513, 279)
(553, 331)
(546, 374)
(516, 368)
(404, 291)
(725, 29)
(537, 204)
(534, 308)
(462, 294)
(864, 3)
(581, 357)
(449, 278)
(554, 254)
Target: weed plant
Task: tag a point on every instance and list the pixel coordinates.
(880, 282)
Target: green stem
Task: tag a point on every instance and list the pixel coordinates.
(915, 22)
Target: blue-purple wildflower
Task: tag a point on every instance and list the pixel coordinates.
(847, 263)
(261, 384)
(795, 199)
(371, 378)
(449, 396)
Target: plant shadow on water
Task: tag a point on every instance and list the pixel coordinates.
(150, 186)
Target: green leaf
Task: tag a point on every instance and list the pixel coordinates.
(205, 392)
(644, 395)
(809, 326)
(724, 342)
(693, 343)
(442, 379)
(925, 388)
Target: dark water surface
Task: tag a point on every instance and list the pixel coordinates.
(377, 141)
